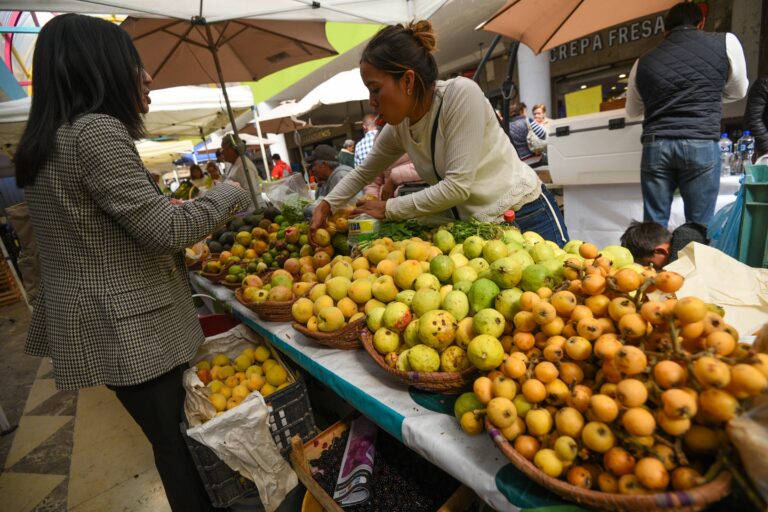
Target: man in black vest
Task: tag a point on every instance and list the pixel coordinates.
(680, 86)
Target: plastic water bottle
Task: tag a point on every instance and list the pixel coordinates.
(509, 220)
(745, 152)
(726, 154)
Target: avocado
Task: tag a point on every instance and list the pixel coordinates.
(227, 238)
(214, 246)
(236, 223)
(271, 212)
(217, 234)
(252, 219)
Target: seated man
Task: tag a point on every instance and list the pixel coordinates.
(325, 167)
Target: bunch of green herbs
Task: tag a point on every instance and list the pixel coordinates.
(463, 229)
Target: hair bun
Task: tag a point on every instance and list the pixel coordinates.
(423, 33)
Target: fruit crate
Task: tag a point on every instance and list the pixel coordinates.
(291, 415)
(304, 452)
(753, 232)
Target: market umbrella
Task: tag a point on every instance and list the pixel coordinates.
(182, 52)
(281, 119)
(340, 88)
(545, 24)
(377, 11)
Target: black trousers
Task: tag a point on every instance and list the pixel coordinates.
(155, 405)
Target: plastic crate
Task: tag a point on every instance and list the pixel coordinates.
(753, 232)
(291, 415)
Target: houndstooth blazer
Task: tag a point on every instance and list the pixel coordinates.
(115, 304)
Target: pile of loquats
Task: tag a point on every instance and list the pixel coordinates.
(230, 381)
(610, 390)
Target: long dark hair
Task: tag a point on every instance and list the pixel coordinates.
(396, 49)
(82, 65)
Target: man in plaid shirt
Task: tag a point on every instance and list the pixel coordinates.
(365, 144)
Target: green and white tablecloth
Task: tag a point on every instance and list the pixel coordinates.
(422, 421)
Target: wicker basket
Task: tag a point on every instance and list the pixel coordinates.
(214, 278)
(274, 311)
(232, 286)
(677, 501)
(346, 338)
(269, 310)
(440, 382)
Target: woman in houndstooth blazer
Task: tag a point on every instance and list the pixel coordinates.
(115, 306)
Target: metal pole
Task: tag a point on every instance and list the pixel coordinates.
(261, 143)
(508, 86)
(484, 60)
(240, 150)
(297, 140)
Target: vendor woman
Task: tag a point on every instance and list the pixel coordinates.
(452, 134)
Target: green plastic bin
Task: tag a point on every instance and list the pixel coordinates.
(753, 232)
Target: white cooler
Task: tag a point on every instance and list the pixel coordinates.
(596, 157)
(598, 148)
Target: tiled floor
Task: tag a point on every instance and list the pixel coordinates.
(77, 451)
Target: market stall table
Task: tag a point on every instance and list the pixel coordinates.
(424, 422)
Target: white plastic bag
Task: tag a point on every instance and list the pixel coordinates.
(715, 277)
(282, 190)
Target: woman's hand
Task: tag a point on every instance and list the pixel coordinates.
(376, 209)
(319, 218)
(387, 190)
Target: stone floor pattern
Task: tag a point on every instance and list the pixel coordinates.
(72, 450)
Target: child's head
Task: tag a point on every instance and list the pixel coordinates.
(648, 242)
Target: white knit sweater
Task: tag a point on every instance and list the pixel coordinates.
(480, 171)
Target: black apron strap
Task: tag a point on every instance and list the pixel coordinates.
(454, 210)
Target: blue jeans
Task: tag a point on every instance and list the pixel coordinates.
(543, 216)
(693, 166)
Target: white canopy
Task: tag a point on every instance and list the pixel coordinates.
(341, 88)
(158, 153)
(378, 11)
(175, 112)
(250, 140)
(185, 111)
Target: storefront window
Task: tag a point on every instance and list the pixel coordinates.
(611, 79)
